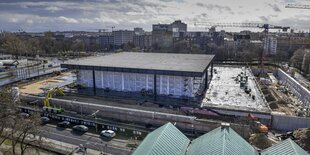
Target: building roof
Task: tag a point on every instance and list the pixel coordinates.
(220, 141)
(165, 140)
(150, 63)
(287, 146)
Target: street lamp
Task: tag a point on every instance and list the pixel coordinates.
(95, 115)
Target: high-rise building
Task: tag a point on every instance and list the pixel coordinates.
(242, 39)
(178, 28)
(122, 37)
(142, 41)
(138, 31)
(270, 45)
(162, 35)
(106, 40)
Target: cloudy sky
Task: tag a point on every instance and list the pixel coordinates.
(89, 15)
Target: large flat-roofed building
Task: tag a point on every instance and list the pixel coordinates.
(158, 74)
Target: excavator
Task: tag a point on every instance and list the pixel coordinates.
(47, 107)
(256, 125)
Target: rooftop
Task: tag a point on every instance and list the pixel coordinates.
(222, 141)
(225, 92)
(287, 146)
(160, 63)
(165, 140)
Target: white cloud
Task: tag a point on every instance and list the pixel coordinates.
(53, 8)
(68, 20)
(82, 14)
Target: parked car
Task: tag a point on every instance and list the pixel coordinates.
(108, 133)
(80, 128)
(45, 120)
(64, 124)
(23, 115)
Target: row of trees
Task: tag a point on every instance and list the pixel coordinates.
(17, 131)
(301, 60)
(31, 46)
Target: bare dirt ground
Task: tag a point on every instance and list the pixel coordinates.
(37, 86)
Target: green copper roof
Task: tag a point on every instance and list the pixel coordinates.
(166, 140)
(220, 141)
(286, 147)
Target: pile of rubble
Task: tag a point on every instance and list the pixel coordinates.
(302, 138)
(260, 140)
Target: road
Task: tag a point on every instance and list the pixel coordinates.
(30, 72)
(88, 140)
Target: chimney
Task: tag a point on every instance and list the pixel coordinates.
(225, 125)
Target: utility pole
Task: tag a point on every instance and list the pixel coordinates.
(113, 38)
(95, 115)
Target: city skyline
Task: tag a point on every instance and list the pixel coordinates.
(36, 16)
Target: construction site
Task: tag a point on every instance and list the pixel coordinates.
(231, 94)
(235, 88)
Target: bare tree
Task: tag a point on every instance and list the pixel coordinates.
(13, 44)
(21, 130)
(298, 58)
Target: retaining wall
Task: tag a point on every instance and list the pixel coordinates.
(298, 90)
(186, 123)
(289, 123)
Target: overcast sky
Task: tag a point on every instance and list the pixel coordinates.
(44, 15)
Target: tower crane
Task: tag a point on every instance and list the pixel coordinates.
(297, 6)
(266, 28)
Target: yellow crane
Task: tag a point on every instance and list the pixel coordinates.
(47, 107)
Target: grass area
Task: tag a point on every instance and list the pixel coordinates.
(8, 77)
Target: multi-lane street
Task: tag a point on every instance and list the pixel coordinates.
(88, 140)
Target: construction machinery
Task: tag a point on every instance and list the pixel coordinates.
(56, 72)
(256, 125)
(47, 107)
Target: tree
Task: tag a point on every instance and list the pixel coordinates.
(297, 58)
(33, 46)
(21, 131)
(128, 46)
(13, 45)
(48, 43)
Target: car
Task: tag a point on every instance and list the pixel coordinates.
(64, 124)
(23, 115)
(108, 133)
(45, 120)
(81, 128)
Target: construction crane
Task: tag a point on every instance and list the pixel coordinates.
(47, 107)
(297, 6)
(266, 28)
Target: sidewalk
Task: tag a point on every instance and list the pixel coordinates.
(65, 148)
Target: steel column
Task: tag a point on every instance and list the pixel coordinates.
(94, 82)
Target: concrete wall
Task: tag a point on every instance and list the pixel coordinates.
(186, 123)
(298, 90)
(124, 81)
(85, 78)
(175, 86)
(289, 123)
